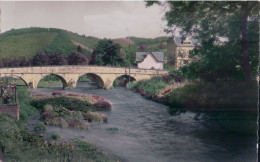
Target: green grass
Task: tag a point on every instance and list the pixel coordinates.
(19, 145)
(49, 81)
(27, 42)
(152, 86)
(24, 99)
(61, 44)
(26, 45)
(70, 103)
(49, 84)
(87, 41)
(84, 78)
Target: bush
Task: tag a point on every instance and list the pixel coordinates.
(102, 105)
(48, 107)
(152, 86)
(26, 109)
(132, 84)
(78, 59)
(40, 59)
(56, 121)
(95, 117)
(46, 115)
(40, 128)
(68, 102)
(75, 123)
(55, 136)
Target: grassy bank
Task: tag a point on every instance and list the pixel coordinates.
(152, 86)
(233, 103)
(19, 145)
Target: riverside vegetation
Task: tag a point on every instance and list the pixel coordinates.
(233, 103)
(17, 144)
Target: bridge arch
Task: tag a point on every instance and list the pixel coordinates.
(94, 78)
(123, 80)
(63, 81)
(17, 77)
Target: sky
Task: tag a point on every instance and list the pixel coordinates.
(107, 19)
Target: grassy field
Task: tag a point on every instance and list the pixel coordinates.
(87, 41)
(26, 45)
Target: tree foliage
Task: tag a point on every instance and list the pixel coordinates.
(78, 59)
(224, 29)
(40, 59)
(106, 53)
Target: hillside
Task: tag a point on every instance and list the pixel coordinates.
(27, 42)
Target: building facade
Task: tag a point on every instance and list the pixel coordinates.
(178, 52)
(150, 60)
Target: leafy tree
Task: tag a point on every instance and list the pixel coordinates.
(79, 49)
(142, 47)
(130, 55)
(106, 53)
(212, 21)
(40, 59)
(78, 59)
(56, 59)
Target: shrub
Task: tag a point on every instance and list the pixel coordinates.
(46, 115)
(78, 59)
(102, 105)
(40, 59)
(56, 121)
(75, 123)
(48, 107)
(132, 84)
(40, 128)
(57, 59)
(95, 117)
(152, 86)
(55, 136)
(68, 102)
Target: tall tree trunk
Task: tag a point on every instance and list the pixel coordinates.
(245, 47)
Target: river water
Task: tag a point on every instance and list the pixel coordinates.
(147, 132)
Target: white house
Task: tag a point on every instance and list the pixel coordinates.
(150, 60)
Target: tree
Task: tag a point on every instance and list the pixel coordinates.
(142, 47)
(56, 59)
(213, 21)
(78, 59)
(106, 53)
(40, 59)
(79, 49)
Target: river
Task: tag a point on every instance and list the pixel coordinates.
(147, 132)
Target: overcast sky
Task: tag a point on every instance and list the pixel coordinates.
(100, 19)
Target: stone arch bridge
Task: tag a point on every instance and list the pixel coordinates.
(69, 75)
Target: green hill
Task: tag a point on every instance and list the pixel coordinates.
(27, 42)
